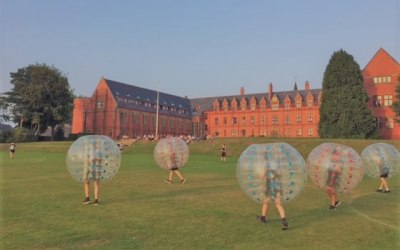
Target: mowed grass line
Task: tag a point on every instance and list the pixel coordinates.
(41, 205)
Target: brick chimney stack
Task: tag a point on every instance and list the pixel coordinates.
(270, 91)
(307, 86)
(241, 91)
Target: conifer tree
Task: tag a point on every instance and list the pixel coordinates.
(396, 105)
(344, 109)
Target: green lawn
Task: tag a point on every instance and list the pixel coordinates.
(41, 205)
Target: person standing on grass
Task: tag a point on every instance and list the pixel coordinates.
(93, 173)
(173, 169)
(12, 150)
(223, 152)
(334, 172)
(273, 192)
(384, 173)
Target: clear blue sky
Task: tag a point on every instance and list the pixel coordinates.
(193, 48)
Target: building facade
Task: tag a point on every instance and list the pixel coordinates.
(116, 109)
(381, 76)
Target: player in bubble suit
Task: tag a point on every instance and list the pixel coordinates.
(384, 173)
(334, 172)
(92, 171)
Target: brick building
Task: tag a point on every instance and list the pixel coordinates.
(381, 76)
(116, 109)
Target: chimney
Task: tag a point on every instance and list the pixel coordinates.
(307, 86)
(270, 91)
(241, 91)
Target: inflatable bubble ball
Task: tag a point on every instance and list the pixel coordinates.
(272, 170)
(171, 153)
(380, 159)
(93, 157)
(335, 166)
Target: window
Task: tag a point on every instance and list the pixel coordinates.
(243, 132)
(243, 106)
(298, 132)
(225, 120)
(298, 104)
(287, 119)
(274, 119)
(234, 120)
(275, 106)
(234, 132)
(310, 132)
(310, 103)
(287, 105)
(99, 104)
(253, 106)
(309, 118)
(135, 118)
(390, 123)
(298, 118)
(243, 119)
(216, 121)
(387, 100)
(252, 120)
(262, 120)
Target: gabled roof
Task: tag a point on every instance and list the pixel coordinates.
(206, 104)
(382, 63)
(133, 97)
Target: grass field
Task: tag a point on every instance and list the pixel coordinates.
(41, 205)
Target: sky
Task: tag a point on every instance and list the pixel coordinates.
(193, 48)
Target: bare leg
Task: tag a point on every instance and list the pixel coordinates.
(96, 189)
(384, 184)
(179, 175)
(265, 207)
(170, 175)
(280, 208)
(87, 188)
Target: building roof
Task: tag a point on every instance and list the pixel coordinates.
(200, 105)
(134, 97)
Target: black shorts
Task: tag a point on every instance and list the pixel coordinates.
(12, 150)
(173, 169)
(385, 175)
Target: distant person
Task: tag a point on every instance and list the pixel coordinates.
(334, 173)
(384, 173)
(223, 152)
(174, 170)
(273, 191)
(12, 150)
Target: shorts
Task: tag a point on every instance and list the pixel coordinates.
(385, 175)
(12, 150)
(93, 173)
(223, 154)
(173, 169)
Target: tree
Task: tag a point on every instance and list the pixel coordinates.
(344, 109)
(396, 105)
(40, 97)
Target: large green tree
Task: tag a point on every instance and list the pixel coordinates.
(396, 105)
(344, 109)
(40, 97)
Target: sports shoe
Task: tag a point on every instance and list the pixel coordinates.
(183, 181)
(86, 201)
(285, 224)
(96, 202)
(386, 191)
(337, 203)
(379, 190)
(332, 207)
(261, 219)
(167, 181)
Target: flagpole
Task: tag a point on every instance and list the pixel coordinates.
(158, 106)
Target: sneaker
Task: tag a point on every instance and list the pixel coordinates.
(337, 203)
(96, 202)
(285, 224)
(261, 219)
(183, 181)
(332, 207)
(386, 191)
(86, 201)
(167, 181)
(379, 190)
